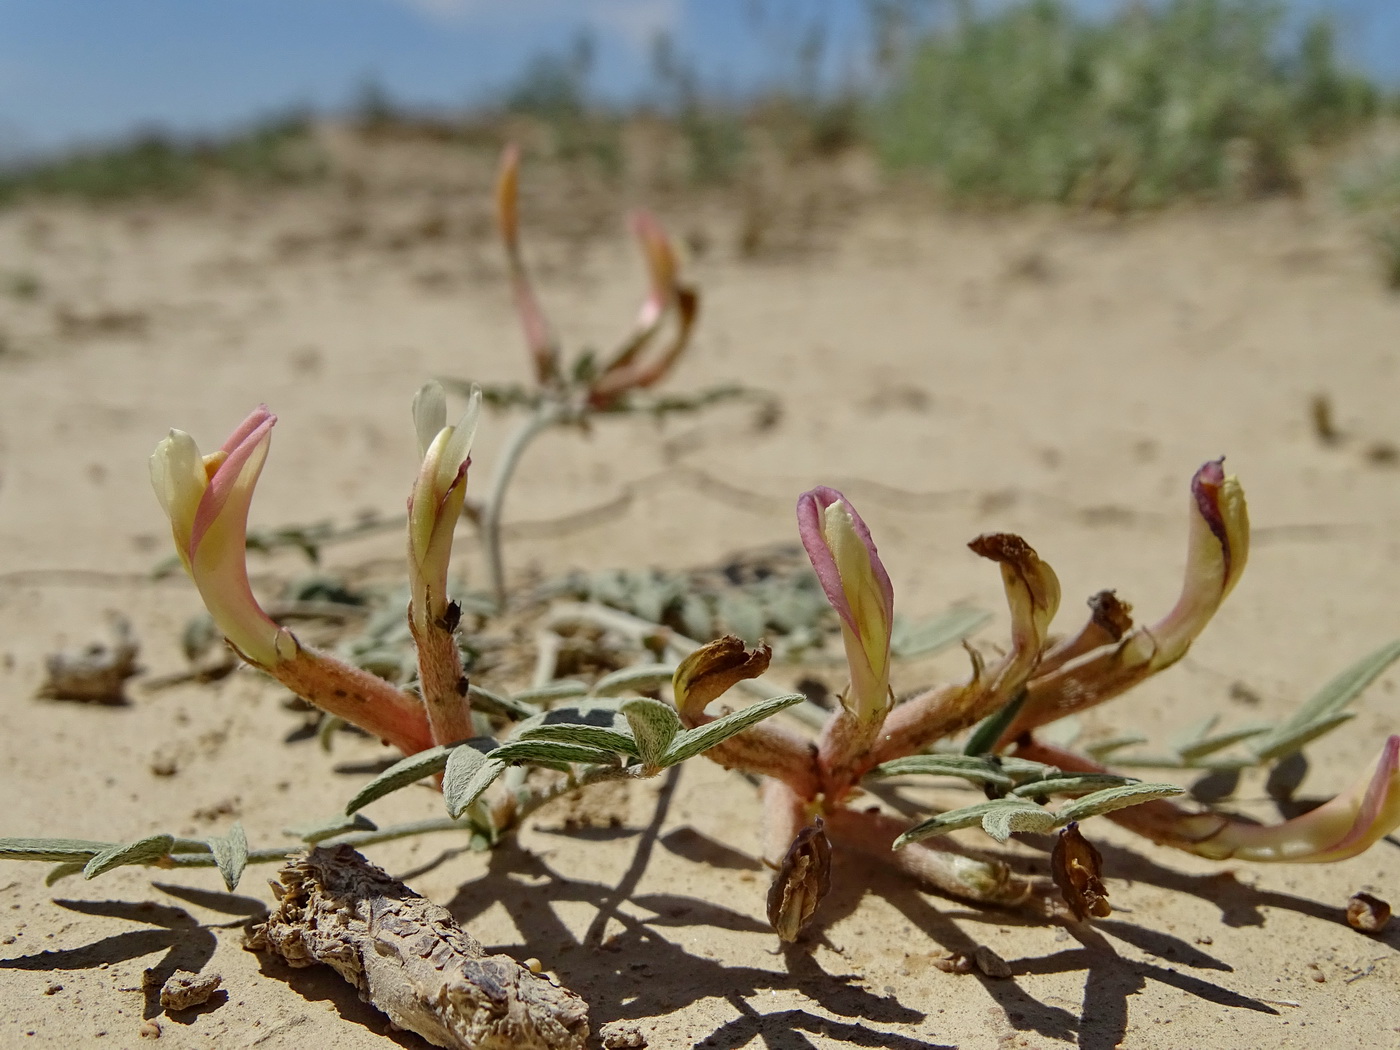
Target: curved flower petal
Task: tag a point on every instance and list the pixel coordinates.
(207, 500)
(544, 355)
(1347, 825)
(436, 501)
(1217, 549)
(849, 569)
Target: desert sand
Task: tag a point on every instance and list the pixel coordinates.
(1053, 374)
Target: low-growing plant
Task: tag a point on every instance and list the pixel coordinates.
(499, 756)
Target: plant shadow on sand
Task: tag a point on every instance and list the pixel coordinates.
(187, 946)
(654, 975)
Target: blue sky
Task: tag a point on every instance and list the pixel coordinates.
(74, 71)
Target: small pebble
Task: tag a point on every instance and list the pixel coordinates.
(53, 989)
(185, 989)
(990, 963)
(621, 1035)
(149, 1030)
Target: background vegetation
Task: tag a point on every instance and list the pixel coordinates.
(991, 104)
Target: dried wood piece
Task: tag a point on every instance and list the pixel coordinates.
(97, 674)
(407, 957)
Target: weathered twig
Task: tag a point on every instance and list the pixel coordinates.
(407, 957)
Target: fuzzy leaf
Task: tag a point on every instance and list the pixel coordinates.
(547, 694)
(62, 871)
(923, 637)
(581, 734)
(953, 820)
(654, 726)
(1109, 799)
(987, 732)
(230, 854)
(1002, 821)
(1104, 748)
(551, 753)
(1194, 734)
(1074, 784)
(142, 851)
(1280, 744)
(67, 850)
(696, 617)
(405, 771)
(469, 772)
(1323, 712)
(500, 703)
(638, 677)
(1211, 744)
(692, 742)
(969, 767)
(340, 824)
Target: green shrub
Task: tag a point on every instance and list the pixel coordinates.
(155, 165)
(1188, 98)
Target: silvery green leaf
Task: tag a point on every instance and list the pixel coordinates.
(743, 616)
(639, 677)
(1071, 784)
(953, 820)
(581, 734)
(1214, 765)
(469, 772)
(405, 771)
(547, 694)
(1109, 799)
(325, 731)
(340, 824)
(62, 871)
(1002, 821)
(922, 637)
(1322, 712)
(1193, 734)
(987, 732)
(650, 596)
(973, 768)
(696, 618)
(692, 742)
(1281, 744)
(654, 726)
(552, 753)
(502, 704)
(1210, 745)
(51, 849)
(1024, 769)
(230, 854)
(141, 851)
(1104, 748)
(600, 714)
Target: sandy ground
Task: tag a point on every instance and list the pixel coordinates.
(1057, 376)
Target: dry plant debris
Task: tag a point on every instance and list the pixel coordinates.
(1367, 913)
(95, 675)
(407, 957)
